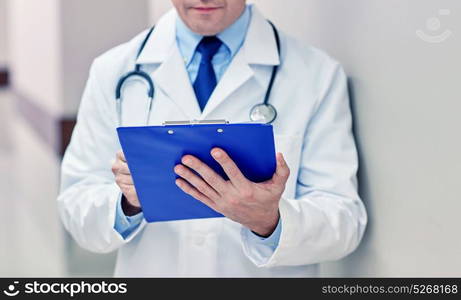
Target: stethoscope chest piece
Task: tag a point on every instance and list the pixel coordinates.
(264, 113)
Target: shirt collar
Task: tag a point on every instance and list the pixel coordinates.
(232, 37)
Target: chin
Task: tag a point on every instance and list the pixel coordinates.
(206, 29)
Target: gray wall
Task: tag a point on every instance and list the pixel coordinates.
(157, 8)
(51, 68)
(92, 24)
(34, 47)
(3, 51)
(406, 100)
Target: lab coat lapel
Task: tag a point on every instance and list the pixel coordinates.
(172, 78)
(236, 75)
(259, 48)
(171, 75)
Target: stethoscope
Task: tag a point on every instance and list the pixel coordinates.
(260, 113)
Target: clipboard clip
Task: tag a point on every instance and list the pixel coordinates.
(195, 122)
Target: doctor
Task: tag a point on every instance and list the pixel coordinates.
(213, 59)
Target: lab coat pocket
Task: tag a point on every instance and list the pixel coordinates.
(290, 146)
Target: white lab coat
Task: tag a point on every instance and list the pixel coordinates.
(322, 215)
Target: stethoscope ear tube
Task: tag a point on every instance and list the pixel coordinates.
(266, 112)
(139, 73)
(275, 68)
(118, 91)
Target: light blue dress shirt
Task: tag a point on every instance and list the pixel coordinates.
(187, 40)
(232, 39)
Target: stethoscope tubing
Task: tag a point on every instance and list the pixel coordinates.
(138, 72)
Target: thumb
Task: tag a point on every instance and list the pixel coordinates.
(121, 156)
(282, 172)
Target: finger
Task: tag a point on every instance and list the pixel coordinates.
(123, 168)
(230, 168)
(207, 173)
(196, 182)
(190, 190)
(282, 172)
(130, 193)
(125, 179)
(128, 190)
(121, 156)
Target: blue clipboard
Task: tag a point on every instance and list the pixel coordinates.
(152, 152)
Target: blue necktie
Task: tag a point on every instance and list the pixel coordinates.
(206, 81)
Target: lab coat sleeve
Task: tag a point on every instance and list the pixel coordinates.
(261, 248)
(126, 225)
(326, 220)
(89, 194)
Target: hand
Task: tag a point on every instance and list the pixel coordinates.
(130, 204)
(254, 205)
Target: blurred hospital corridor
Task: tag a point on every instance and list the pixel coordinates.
(403, 65)
(32, 236)
(30, 232)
